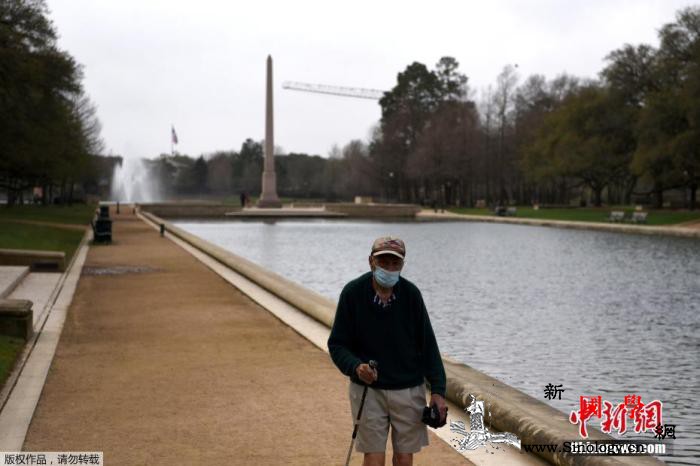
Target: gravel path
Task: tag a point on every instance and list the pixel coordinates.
(166, 363)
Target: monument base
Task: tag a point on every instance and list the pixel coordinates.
(268, 197)
(269, 203)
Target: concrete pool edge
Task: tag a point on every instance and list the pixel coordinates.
(533, 421)
(677, 231)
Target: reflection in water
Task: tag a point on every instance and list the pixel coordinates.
(601, 313)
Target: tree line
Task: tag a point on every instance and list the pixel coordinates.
(49, 131)
(631, 135)
(223, 173)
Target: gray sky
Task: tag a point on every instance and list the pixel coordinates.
(200, 65)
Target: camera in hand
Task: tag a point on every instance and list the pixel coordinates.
(431, 416)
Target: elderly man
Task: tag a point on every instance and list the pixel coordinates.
(381, 316)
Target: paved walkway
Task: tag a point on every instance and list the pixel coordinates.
(163, 362)
(692, 224)
(10, 277)
(40, 289)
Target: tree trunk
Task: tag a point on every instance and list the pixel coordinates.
(659, 196)
(598, 196)
(70, 193)
(612, 194)
(563, 198)
(10, 193)
(629, 189)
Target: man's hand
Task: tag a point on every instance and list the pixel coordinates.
(442, 406)
(366, 373)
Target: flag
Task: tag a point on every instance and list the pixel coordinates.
(174, 135)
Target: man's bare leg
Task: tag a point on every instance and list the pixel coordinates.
(374, 459)
(402, 459)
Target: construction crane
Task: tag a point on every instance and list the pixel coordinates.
(360, 93)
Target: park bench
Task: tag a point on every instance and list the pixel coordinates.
(503, 211)
(639, 217)
(617, 216)
(16, 318)
(38, 261)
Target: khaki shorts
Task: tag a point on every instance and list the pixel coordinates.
(402, 409)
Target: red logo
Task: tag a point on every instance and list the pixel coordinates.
(643, 416)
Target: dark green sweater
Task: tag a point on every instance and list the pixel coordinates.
(399, 337)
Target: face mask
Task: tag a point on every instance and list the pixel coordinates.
(386, 278)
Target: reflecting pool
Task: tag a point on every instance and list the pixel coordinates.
(600, 313)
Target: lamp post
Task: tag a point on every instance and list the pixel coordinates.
(391, 182)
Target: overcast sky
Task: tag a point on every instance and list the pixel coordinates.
(200, 65)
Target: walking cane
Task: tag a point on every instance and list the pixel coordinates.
(373, 365)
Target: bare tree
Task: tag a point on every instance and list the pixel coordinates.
(86, 113)
(358, 178)
(504, 101)
(219, 173)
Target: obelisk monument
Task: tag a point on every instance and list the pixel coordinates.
(269, 198)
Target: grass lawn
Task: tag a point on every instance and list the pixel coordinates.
(25, 236)
(22, 236)
(80, 214)
(9, 350)
(585, 214)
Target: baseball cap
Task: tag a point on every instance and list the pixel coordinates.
(389, 245)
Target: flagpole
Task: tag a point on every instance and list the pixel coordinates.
(173, 140)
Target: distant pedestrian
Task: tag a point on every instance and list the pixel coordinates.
(242, 199)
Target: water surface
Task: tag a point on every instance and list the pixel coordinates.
(600, 313)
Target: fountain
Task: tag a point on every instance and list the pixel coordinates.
(134, 181)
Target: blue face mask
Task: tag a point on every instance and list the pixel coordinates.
(386, 278)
